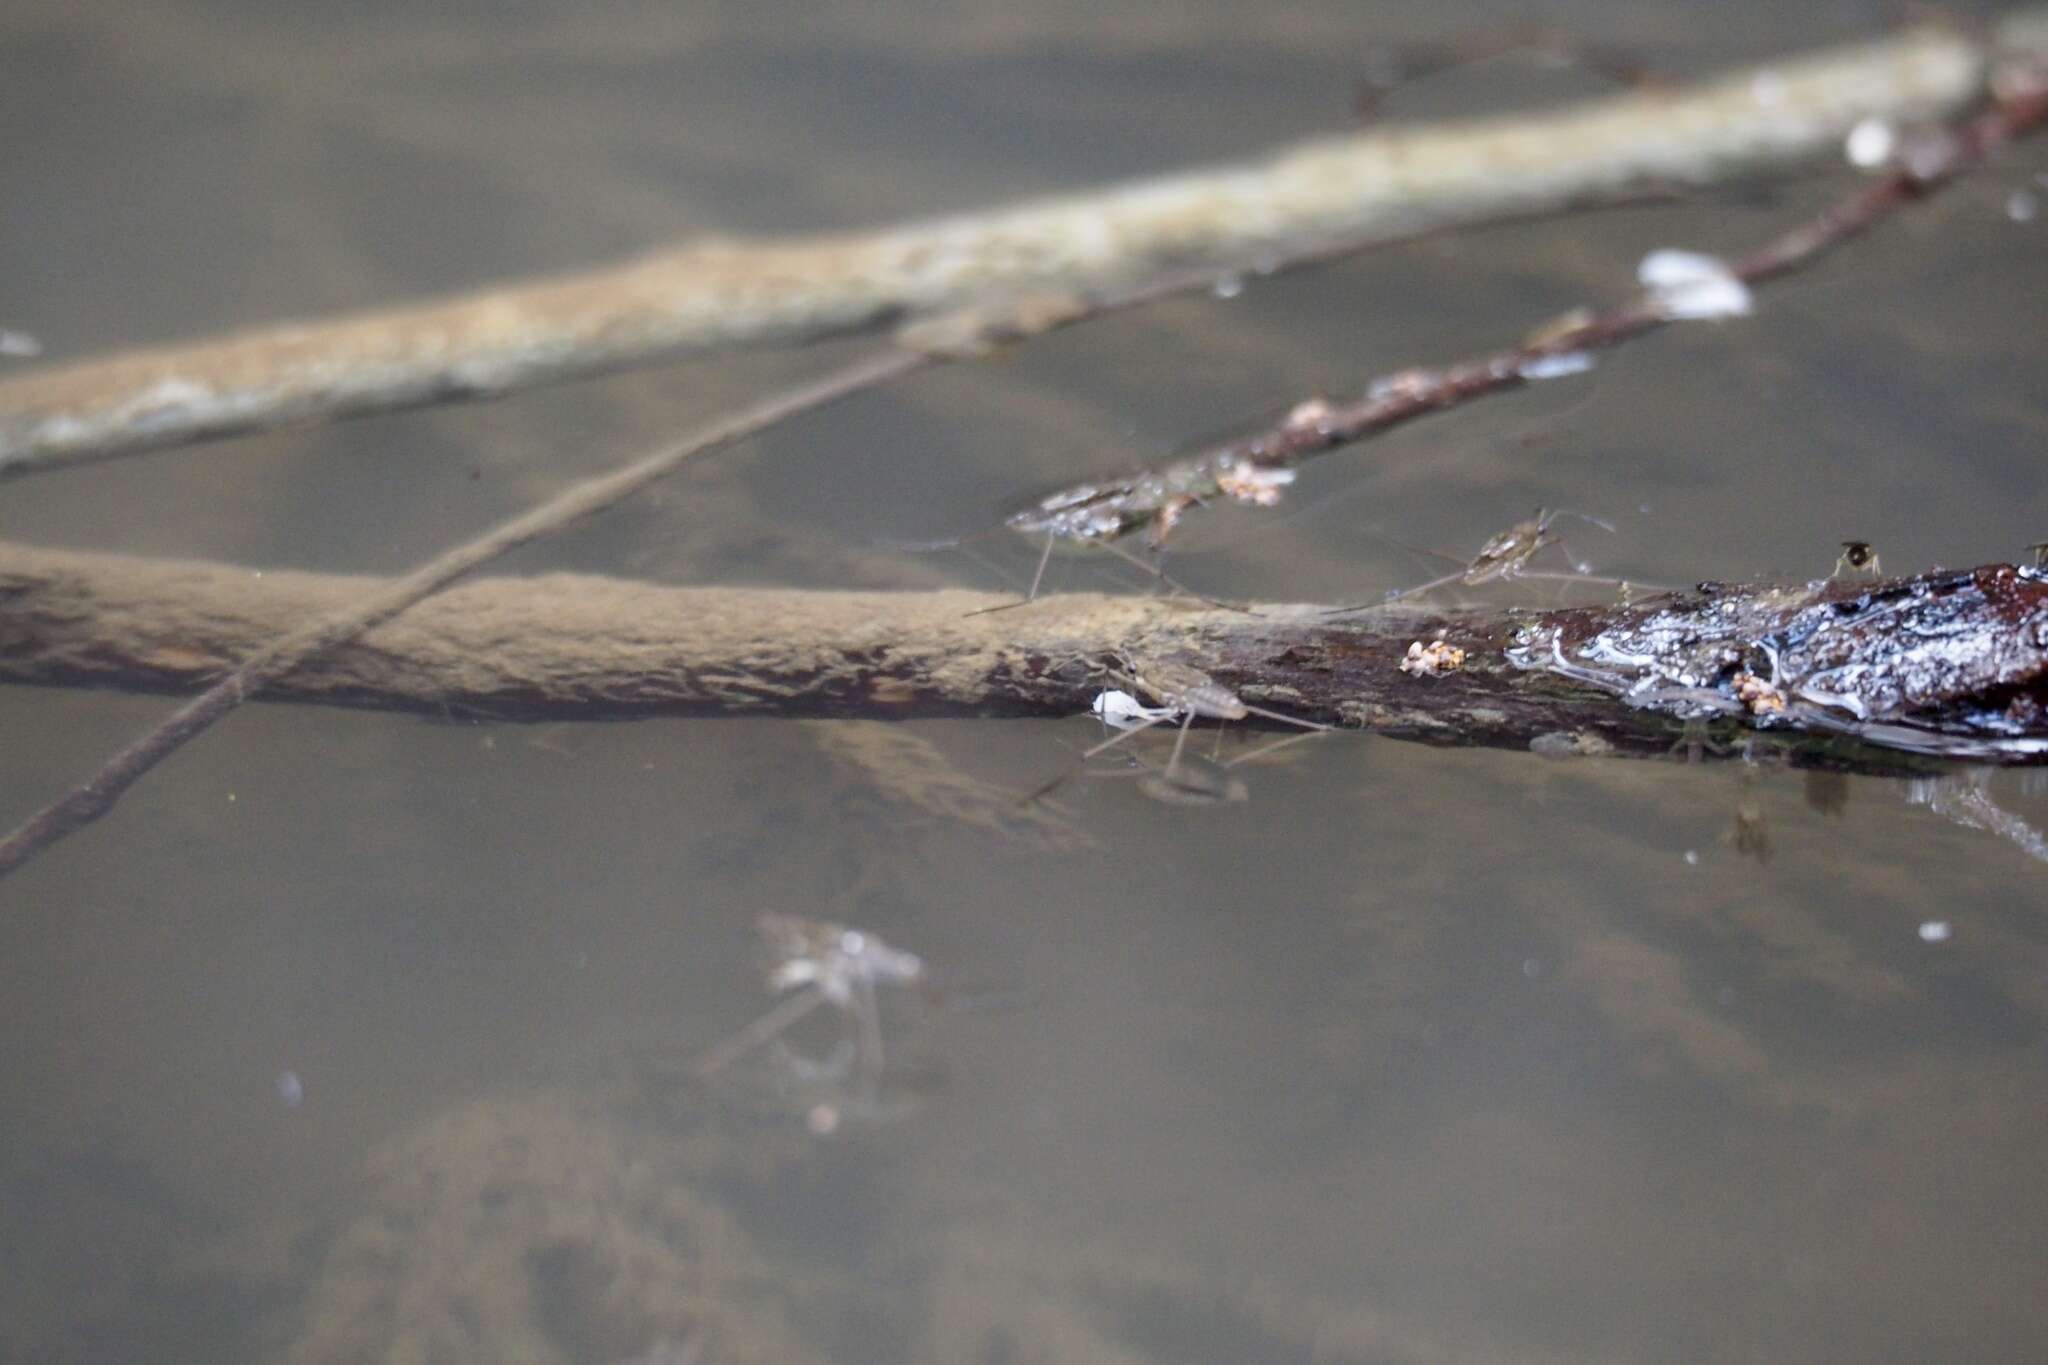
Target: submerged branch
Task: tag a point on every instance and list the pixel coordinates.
(1253, 468)
(1376, 186)
(1858, 675)
(290, 642)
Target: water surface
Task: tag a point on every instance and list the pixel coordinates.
(356, 1037)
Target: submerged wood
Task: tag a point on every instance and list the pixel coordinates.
(1867, 676)
(1380, 185)
(1255, 467)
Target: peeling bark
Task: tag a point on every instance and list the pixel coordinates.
(567, 647)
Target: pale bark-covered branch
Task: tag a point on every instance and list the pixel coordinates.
(1379, 185)
(1156, 498)
(303, 638)
(569, 647)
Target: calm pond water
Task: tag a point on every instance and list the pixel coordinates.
(353, 1037)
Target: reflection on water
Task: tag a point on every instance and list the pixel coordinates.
(349, 1037)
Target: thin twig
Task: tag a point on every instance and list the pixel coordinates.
(97, 795)
(1154, 498)
(1385, 184)
(937, 340)
(2023, 105)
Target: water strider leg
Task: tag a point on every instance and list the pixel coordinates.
(1160, 575)
(1152, 571)
(1038, 574)
(721, 1055)
(868, 1013)
(1040, 793)
(1400, 594)
(1135, 729)
(1285, 719)
(1037, 577)
(1601, 579)
(1204, 782)
(1180, 742)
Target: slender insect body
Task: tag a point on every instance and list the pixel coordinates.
(1507, 554)
(1187, 689)
(1099, 513)
(1503, 558)
(1504, 555)
(1183, 692)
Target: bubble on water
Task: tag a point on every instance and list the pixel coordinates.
(1531, 968)
(2021, 206)
(291, 1091)
(1871, 143)
(18, 343)
(1227, 286)
(1692, 857)
(1936, 931)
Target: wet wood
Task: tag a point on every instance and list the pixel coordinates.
(567, 647)
(1380, 185)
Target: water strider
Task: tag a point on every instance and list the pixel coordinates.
(1180, 690)
(1503, 557)
(1035, 520)
(1098, 513)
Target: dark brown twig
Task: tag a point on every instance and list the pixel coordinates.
(2022, 106)
(1154, 499)
(933, 341)
(1386, 184)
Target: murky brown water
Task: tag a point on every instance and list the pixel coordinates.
(351, 1037)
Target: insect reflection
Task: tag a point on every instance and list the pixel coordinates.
(1183, 693)
(817, 962)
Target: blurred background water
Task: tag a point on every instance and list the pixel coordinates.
(353, 1037)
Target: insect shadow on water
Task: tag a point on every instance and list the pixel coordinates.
(817, 962)
(1182, 692)
(1505, 558)
(1196, 780)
